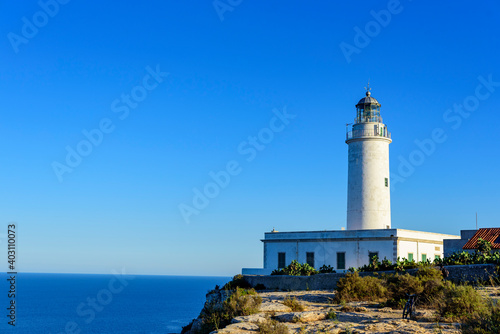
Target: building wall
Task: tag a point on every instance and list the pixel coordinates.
(419, 248)
(455, 245)
(388, 243)
(325, 252)
(368, 198)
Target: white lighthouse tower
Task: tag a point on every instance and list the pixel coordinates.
(368, 192)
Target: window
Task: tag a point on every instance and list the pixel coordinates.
(386, 182)
(340, 261)
(281, 260)
(410, 256)
(371, 255)
(437, 256)
(437, 248)
(310, 259)
(424, 257)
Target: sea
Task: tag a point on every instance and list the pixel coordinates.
(85, 303)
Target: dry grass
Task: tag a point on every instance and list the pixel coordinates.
(271, 326)
(294, 304)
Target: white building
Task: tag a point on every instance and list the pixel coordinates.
(369, 230)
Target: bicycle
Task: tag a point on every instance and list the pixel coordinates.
(410, 307)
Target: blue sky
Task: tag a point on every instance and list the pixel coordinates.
(223, 72)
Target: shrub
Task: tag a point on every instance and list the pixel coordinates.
(461, 302)
(483, 246)
(242, 302)
(326, 269)
(427, 283)
(399, 286)
(385, 265)
(260, 286)
(427, 273)
(331, 315)
(432, 282)
(294, 304)
(237, 282)
(489, 323)
(271, 326)
(296, 269)
(352, 287)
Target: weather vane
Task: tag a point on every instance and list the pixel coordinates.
(368, 86)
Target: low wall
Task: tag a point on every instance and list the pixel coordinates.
(458, 274)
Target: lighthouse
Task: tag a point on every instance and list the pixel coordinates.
(368, 190)
(369, 232)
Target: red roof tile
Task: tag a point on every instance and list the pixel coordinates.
(488, 234)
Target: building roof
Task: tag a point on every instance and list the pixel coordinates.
(356, 235)
(489, 234)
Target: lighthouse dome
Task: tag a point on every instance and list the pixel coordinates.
(368, 100)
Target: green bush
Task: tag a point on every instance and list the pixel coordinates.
(392, 289)
(427, 283)
(352, 287)
(387, 265)
(242, 302)
(483, 255)
(462, 302)
(432, 282)
(271, 326)
(326, 269)
(296, 269)
(294, 304)
(483, 246)
(237, 282)
(331, 315)
(489, 323)
(399, 286)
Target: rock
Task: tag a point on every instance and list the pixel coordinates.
(233, 330)
(347, 308)
(301, 316)
(385, 310)
(196, 326)
(254, 318)
(242, 326)
(335, 331)
(360, 309)
(274, 307)
(214, 301)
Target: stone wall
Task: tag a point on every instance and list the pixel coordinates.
(469, 273)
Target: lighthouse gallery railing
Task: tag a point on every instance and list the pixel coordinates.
(368, 133)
